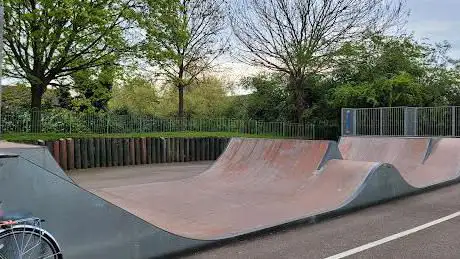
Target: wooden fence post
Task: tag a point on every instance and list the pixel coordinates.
(91, 152)
(77, 151)
(84, 153)
(63, 154)
(70, 154)
(56, 151)
(97, 152)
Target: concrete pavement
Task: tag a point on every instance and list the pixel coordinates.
(121, 176)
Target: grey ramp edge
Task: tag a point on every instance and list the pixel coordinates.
(332, 152)
(39, 155)
(85, 225)
(383, 182)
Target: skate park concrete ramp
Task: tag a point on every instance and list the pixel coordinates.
(255, 185)
(422, 162)
(35, 154)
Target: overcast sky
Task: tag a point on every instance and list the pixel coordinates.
(430, 20)
(437, 20)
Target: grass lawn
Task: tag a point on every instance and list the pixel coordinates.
(30, 137)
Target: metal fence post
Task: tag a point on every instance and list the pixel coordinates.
(381, 121)
(453, 121)
(348, 123)
(1, 61)
(108, 122)
(354, 129)
(409, 119)
(415, 121)
(406, 121)
(342, 121)
(313, 131)
(70, 122)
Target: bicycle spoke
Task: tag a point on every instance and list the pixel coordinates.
(48, 256)
(22, 241)
(28, 241)
(33, 247)
(16, 241)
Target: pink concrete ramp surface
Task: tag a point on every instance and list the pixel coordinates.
(258, 184)
(405, 154)
(441, 165)
(422, 162)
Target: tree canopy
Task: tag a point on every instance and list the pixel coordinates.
(393, 71)
(320, 56)
(301, 37)
(185, 40)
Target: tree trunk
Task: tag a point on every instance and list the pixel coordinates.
(181, 107)
(296, 87)
(37, 91)
(181, 101)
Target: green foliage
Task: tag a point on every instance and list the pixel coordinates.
(268, 102)
(17, 97)
(48, 40)
(93, 88)
(183, 40)
(183, 36)
(204, 98)
(391, 71)
(399, 90)
(135, 96)
(237, 107)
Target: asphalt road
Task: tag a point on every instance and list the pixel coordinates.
(328, 237)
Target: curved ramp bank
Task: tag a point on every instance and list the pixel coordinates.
(237, 195)
(442, 165)
(85, 225)
(260, 184)
(35, 154)
(423, 162)
(256, 184)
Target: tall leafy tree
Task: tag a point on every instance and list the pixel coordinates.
(46, 40)
(300, 37)
(185, 40)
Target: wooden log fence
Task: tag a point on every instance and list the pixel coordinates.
(110, 152)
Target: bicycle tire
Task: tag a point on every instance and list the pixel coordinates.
(10, 246)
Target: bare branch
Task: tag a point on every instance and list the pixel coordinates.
(290, 35)
(301, 37)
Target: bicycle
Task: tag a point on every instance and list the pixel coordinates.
(22, 237)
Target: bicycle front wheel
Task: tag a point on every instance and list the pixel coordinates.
(25, 241)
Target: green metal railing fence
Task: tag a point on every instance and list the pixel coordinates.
(402, 121)
(58, 121)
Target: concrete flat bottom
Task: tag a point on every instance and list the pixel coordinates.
(97, 178)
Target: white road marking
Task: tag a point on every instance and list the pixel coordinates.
(393, 237)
